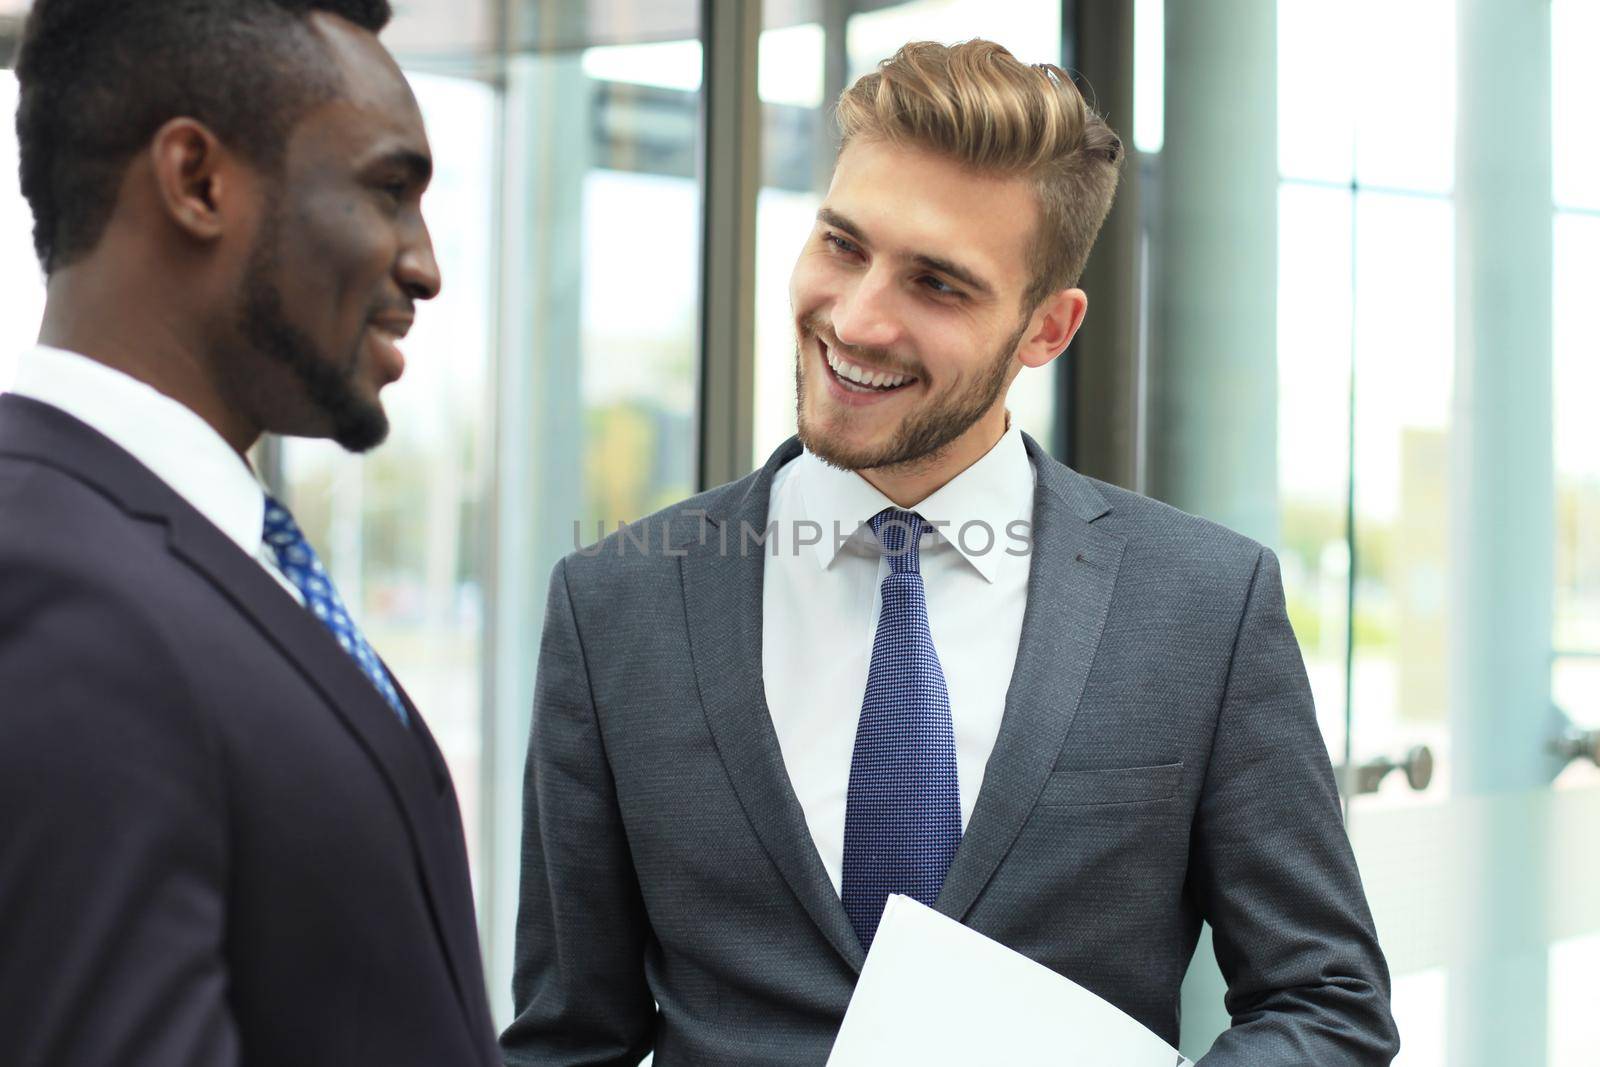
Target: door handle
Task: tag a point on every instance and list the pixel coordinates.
(1577, 744)
(1366, 777)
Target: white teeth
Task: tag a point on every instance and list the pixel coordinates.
(861, 376)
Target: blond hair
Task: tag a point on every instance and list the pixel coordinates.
(978, 104)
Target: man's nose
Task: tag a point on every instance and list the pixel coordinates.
(864, 316)
(417, 270)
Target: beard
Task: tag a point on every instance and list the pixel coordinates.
(355, 422)
(924, 434)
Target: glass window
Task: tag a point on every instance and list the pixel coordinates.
(1366, 91)
(1149, 75)
(1574, 983)
(1402, 81)
(1421, 1002)
(1575, 33)
(1314, 336)
(20, 278)
(1575, 679)
(783, 220)
(1316, 128)
(1366, 324)
(1577, 432)
(638, 388)
(1575, 675)
(638, 299)
(1404, 359)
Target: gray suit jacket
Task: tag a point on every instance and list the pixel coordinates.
(1158, 764)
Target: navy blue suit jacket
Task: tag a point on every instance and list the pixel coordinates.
(218, 845)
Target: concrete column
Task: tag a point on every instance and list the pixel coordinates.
(1213, 363)
(1502, 518)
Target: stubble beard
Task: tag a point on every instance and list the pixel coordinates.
(926, 434)
(354, 422)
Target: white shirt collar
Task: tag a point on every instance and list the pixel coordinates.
(996, 490)
(177, 446)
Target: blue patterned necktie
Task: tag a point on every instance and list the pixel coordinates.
(300, 565)
(902, 818)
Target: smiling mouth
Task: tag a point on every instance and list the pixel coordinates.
(393, 327)
(386, 335)
(858, 379)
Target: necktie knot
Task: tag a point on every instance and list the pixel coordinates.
(899, 532)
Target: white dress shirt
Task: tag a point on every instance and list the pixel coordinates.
(820, 607)
(174, 443)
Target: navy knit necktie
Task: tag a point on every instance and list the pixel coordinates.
(902, 818)
(298, 562)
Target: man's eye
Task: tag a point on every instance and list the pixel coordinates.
(937, 285)
(840, 243)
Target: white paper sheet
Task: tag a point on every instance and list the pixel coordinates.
(935, 993)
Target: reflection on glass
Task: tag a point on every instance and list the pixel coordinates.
(638, 376)
(1405, 348)
(602, 289)
(632, 181)
(1576, 87)
(1314, 315)
(20, 278)
(402, 529)
(663, 64)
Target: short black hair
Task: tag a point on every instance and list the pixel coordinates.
(98, 78)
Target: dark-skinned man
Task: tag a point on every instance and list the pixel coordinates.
(229, 837)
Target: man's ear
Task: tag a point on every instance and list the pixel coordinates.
(1052, 326)
(195, 178)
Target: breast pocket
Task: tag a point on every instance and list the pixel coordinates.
(1118, 785)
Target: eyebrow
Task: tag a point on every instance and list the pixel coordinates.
(417, 165)
(967, 277)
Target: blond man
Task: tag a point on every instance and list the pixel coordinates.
(914, 654)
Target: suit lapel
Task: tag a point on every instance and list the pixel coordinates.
(400, 755)
(1071, 576)
(722, 589)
